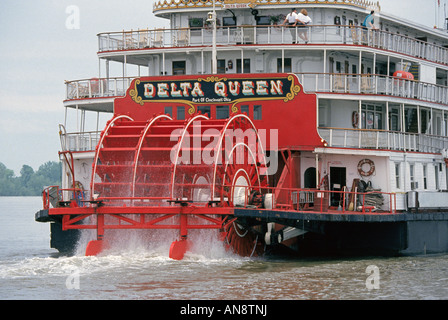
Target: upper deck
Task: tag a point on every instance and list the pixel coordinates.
(136, 44)
(164, 7)
(258, 22)
(340, 61)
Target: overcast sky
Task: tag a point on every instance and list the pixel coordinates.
(38, 52)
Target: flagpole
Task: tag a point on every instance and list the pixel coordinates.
(435, 14)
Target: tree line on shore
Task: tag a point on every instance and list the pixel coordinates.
(30, 182)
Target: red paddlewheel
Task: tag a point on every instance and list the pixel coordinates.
(241, 167)
(95, 247)
(242, 241)
(178, 249)
(164, 162)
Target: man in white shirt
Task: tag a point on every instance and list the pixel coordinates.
(291, 21)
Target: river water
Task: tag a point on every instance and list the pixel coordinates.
(31, 270)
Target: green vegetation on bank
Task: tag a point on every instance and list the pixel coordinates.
(29, 183)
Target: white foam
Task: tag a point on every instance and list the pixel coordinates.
(205, 244)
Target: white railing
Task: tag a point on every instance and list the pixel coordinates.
(312, 82)
(379, 139)
(80, 141)
(373, 84)
(335, 137)
(94, 88)
(272, 34)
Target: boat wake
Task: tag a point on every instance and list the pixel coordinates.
(156, 243)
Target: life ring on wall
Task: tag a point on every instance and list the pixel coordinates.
(371, 167)
(355, 119)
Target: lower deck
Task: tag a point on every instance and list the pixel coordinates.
(334, 234)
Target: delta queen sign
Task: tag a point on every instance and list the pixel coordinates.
(285, 106)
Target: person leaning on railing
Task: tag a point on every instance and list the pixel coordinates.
(369, 22)
(291, 20)
(302, 21)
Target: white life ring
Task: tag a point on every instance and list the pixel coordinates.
(371, 170)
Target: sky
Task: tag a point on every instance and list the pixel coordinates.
(41, 46)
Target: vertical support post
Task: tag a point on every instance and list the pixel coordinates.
(325, 63)
(360, 72)
(283, 61)
(179, 248)
(419, 125)
(95, 247)
(183, 226)
(214, 54)
(100, 227)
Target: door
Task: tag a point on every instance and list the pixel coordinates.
(337, 183)
(310, 178)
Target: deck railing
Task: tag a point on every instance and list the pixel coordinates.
(55, 196)
(80, 141)
(97, 88)
(272, 34)
(335, 137)
(321, 201)
(289, 199)
(380, 139)
(312, 82)
(373, 84)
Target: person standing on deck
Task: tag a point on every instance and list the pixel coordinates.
(369, 21)
(302, 21)
(291, 21)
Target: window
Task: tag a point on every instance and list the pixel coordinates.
(222, 112)
(263, 21)
(378, 120)
(410, 118)
(178, 67)
(286, 65)
(180, 113)
(445, 124)
(397, 175)
(411, 177)
(196, 22)
(394, 119)
(169, 111)
(338, 67)
(425, 171)
(425, 120)
(257, 112)
(372, 117)
(221, 66)
(245, 109)
(436, 172)
(204, 110)
(228, 21)
(246, 67)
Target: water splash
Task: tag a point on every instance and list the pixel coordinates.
(205, 243)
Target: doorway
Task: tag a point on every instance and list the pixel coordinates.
(337, 183)
(310, 178)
